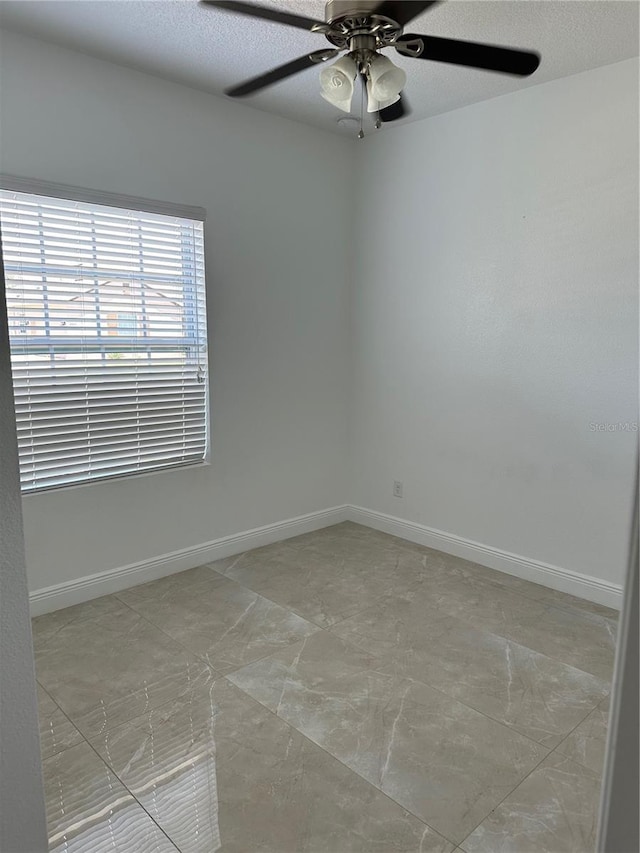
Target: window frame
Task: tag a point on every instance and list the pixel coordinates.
(66, 192)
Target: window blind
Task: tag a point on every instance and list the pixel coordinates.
(107, 327)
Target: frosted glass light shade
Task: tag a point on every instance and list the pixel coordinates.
(385, 83)
(337, 83)
(373, 105)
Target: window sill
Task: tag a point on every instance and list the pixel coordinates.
(205, 463)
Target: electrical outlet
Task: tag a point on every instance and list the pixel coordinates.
(397, 489)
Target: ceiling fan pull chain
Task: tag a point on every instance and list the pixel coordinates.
(361, 131)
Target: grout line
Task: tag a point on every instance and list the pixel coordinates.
(129, 791)
(497, 805)
(102, 761)
(514, 590)
(510, 639)
(555, 749)
(512, 729)
(288, 608)
(341, 617)
(499, 580)
(173, 639)
(381, 659)
(42, 687)
(204, 660)
(575, 760)
(67, 717)
(464, 622)
(335, 758)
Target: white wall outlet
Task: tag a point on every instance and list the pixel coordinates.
(397, 489)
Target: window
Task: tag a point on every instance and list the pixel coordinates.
(106, 304)
(127, 324)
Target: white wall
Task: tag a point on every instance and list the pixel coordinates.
(619, 829)
(495, 319)
(492, 315)
(22, 815)
(276, 200)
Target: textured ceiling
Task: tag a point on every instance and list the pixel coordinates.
(211, 49)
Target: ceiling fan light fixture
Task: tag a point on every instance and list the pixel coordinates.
(363, 28)
(374, 105)
(337, 83)
(384, 84)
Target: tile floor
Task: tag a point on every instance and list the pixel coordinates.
(341, 692)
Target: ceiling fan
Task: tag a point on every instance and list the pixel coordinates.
(359, 29)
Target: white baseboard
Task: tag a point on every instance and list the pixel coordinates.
(564, 580)
(113, 580)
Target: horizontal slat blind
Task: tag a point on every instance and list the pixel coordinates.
(108, 338)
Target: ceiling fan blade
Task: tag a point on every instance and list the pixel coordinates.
(506, 60)
(398, 110)
(278, 16)
(403, 11)
(279, 73)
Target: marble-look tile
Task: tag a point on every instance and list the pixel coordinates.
(322, 591)
(92, 662)
(509, 582)
(565, 601)
(353, 541)
(581, 639)
(375, 542)
(50, 623)
(535, 695)
(108, 714)
(529, 589)
(478, 602)
(57, 732)
(446, 665)
(587, 742)
(339, 538)
(283, 550)
(217, 771)
(88, 808)
(216, 618)
(446, 763)
(341, 541)
(166, 587)
(329, 574)
(554, 809)
(408, 569)
(542, 594)
(266, 562)
(483, 574)
(395, 623)
(400, 564)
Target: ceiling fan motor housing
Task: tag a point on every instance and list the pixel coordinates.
(354, 25)
(336, 9)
